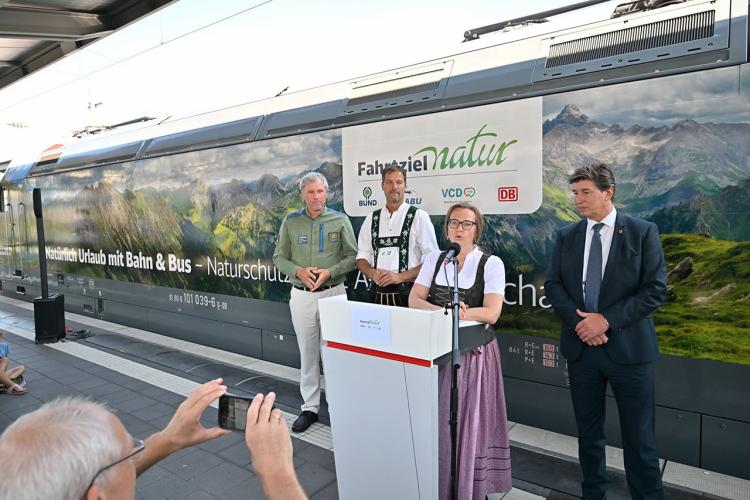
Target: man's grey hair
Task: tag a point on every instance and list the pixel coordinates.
(55, 451)
(311, 177)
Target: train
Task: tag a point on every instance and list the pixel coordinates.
(171, 227)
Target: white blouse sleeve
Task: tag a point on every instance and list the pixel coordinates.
(426, 239)
(428, 269)
(494, 276)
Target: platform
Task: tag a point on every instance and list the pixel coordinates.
(144, 376)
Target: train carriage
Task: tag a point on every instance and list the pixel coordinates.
(171, 228)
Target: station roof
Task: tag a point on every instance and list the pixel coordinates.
(35, 33)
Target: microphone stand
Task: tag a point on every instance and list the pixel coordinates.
(455, 365)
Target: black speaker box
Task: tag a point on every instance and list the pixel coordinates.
(49, 319)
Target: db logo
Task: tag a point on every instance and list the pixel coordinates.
(508, 193)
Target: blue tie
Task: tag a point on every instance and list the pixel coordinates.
(594, 272)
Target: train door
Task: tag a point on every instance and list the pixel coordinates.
(16, 241)
(11, 266)
(23, 239)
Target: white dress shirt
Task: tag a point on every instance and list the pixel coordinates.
(605, 234)
(422, 240)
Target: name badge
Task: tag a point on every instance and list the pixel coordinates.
(302, 240)
(388, 258)
(333, 237)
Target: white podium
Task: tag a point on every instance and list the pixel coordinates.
(382, 393)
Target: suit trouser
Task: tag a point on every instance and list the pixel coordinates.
(306, 321)
(633, 387)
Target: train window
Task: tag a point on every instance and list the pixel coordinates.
(216, 135)
(85, 159)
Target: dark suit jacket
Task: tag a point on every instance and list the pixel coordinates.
(634, 284)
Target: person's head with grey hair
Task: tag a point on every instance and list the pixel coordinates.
(313, 188)
(593, 188)
(311, 177)
(68, 449)
(74, 448)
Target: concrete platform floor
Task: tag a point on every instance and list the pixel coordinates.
(144, 376)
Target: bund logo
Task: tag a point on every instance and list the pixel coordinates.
(367, 202)
(467, 192)
(507, 193)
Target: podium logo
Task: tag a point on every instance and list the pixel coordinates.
(457, 192)
(507, 193)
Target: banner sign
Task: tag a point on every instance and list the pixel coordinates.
(489, 156)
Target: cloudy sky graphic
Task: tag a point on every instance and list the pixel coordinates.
(245, 162)
(283, 157)
(719, 96)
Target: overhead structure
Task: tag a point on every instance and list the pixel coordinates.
(35, 33)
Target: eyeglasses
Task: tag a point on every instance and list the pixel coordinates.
(465, 224)
(138, 446)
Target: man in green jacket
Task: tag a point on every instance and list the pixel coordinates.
(316, 249)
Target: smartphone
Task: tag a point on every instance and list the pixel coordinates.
(233, 412)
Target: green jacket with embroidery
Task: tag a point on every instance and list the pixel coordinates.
(326, 241)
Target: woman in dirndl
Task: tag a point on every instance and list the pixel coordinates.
(483, 451)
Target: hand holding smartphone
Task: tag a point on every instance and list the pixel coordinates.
(233, 412)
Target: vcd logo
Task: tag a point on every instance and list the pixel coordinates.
(507, 193)
(367, 202)
(467, 192)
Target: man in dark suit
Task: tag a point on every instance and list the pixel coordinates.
(606, 277)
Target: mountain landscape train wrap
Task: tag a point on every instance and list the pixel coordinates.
(207, 220)
(170, 228)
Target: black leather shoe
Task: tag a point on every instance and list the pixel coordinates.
(304, 421)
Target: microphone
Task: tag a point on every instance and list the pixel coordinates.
(453, 250)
